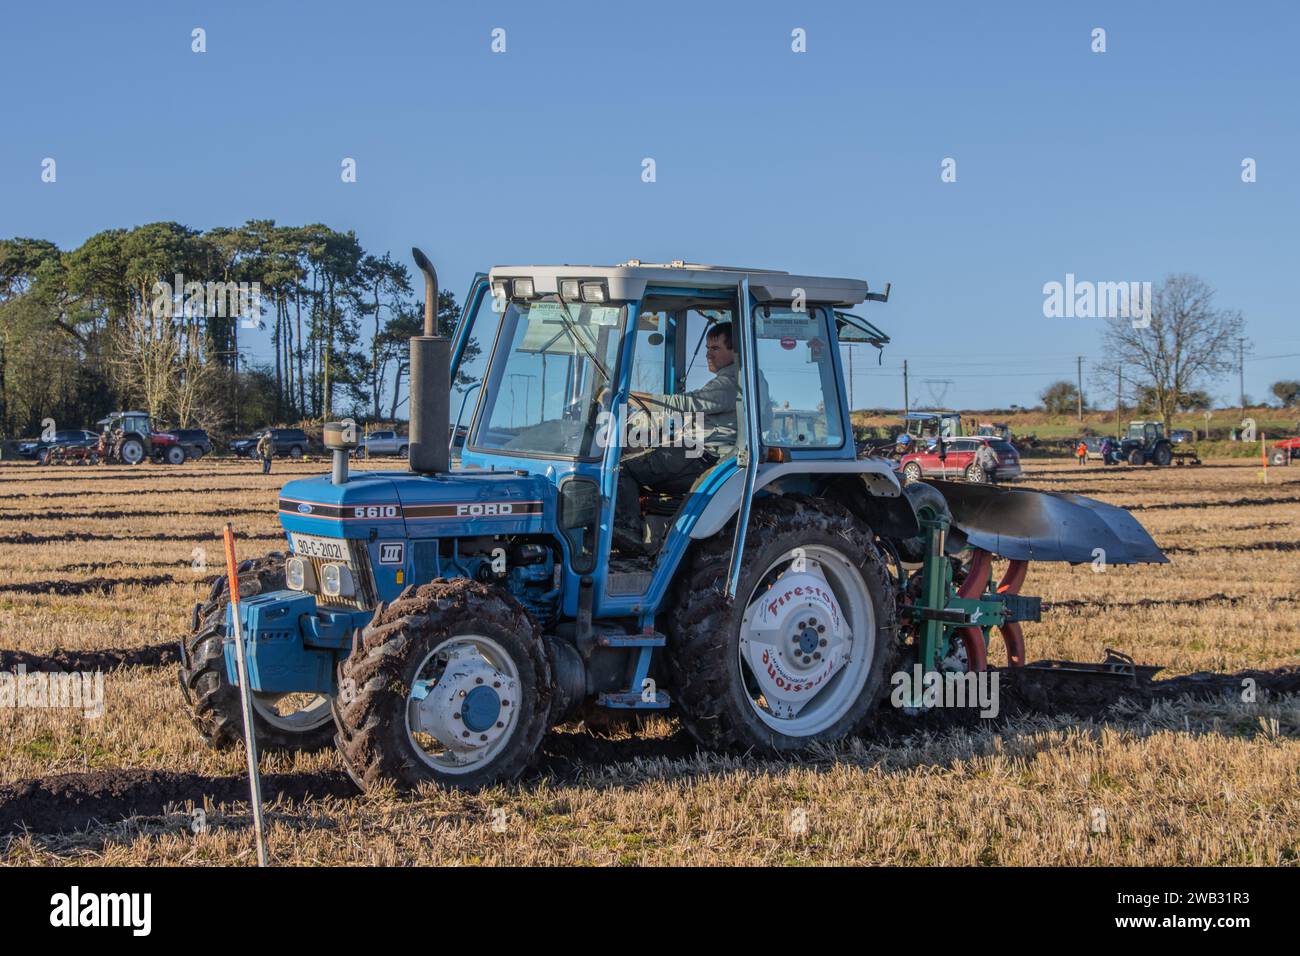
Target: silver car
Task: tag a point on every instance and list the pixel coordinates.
(382, 443)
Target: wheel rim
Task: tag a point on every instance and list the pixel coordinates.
(795, 683)
(132, 452)
(293, 713)
(912, 473)
(463, 704)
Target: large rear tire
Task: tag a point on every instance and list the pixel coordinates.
(449, 684)
(785, 665)
(281, 722)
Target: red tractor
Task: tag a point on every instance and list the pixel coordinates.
(132, 440)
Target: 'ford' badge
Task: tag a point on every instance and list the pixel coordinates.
(304, 508)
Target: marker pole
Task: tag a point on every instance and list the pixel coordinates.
(245, 698)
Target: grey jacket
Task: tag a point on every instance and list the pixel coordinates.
(716, 402)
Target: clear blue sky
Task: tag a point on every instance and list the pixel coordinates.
(1117, 166)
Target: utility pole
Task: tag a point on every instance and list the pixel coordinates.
(906, 405)
(1241, 372)
(1119, 400)
(1079, 387)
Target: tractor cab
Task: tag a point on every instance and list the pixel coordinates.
(593, 378)
(1146, 433)
(930, 426)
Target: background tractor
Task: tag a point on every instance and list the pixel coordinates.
(1146, 444)
(435, 623)
(133, 440)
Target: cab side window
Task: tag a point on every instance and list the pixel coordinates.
(798, 392)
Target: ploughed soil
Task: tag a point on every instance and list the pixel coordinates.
(70, 802)
(153, 655)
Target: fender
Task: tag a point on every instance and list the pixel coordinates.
(879, 482)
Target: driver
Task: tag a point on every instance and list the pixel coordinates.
(673, 469)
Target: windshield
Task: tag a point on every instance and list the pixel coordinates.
(547, 373)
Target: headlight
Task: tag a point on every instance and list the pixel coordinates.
(569, 289)
(524, 288)
(336, 581)
(298, 575)
(593, 292)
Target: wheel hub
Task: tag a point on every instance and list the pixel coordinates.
(795, 639)
(469, 707)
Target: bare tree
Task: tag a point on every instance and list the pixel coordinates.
(1183, 343)
(146, 351)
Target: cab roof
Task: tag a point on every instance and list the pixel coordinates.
(628, 280)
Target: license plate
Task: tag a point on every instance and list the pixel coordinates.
(327, 549)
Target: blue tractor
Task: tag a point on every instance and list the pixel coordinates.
(435, 623)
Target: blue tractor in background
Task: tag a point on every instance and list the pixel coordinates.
(436, 622)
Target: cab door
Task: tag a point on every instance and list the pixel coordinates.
(471, 347)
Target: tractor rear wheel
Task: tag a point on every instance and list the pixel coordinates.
(804, 653)
(449, 684)
(281, 721)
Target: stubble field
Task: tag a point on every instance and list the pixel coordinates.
(112, 558)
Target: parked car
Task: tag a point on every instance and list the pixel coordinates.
(1286, 451)
(195, 441)
(382, 443)
(68, 438)
(959, 460)
(288, 443)
(1093, 444)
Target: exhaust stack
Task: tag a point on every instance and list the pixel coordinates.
(340, 439)
(430, 383)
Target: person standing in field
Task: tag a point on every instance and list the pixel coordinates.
(266, 451)
(1081, 453)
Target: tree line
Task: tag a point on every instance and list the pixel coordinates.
(101, 328)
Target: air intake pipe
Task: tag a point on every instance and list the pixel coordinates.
(430, 383)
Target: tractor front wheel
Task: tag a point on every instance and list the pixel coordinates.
(449, 684)
(804, 653)
(1162, 455)
(1135, 457)
(281, 721)
(175, 455)
(130, 451)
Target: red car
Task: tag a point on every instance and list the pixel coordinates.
(959, 460)
(1286, 451)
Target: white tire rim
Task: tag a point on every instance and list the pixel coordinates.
(463, 706)
(786, 643)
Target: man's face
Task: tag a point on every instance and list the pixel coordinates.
(717, 353)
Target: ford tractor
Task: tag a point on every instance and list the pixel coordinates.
(435, 622)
